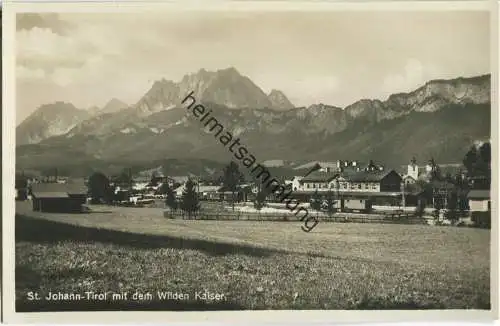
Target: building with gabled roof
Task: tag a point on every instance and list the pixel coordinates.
(58, 197)
(479, 200)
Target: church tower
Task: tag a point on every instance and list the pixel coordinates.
(413, 169)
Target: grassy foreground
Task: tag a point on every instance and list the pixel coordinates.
(256, 265)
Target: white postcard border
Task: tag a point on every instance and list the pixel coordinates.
(307, 317)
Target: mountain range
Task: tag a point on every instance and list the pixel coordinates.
(440, 119)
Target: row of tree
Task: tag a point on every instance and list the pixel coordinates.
(189, 203)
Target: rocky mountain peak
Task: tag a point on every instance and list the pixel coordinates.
(49, 120)
(114, 105)
(279, 100)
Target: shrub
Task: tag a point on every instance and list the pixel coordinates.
(481, 219)
(452, 216)
(420, 209)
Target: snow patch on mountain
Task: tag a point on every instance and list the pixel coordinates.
(128, 131)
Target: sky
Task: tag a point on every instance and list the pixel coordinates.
(333, 57)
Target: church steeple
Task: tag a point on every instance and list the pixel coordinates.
(413, 169)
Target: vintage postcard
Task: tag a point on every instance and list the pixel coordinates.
(317, 161)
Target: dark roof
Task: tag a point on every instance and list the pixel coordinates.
(41, 190)
(51, 195)
(478, 194)
(369, 176)
(319, 177)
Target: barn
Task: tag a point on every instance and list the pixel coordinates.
(479, 200)
(58, 198)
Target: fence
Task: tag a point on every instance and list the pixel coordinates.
(288, 217)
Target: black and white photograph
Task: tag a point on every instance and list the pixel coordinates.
(230, 160)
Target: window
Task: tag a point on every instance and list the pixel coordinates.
(359, 186)
(361, 201)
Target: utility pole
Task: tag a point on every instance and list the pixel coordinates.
(130, 179)
(337, 186)
(403, 195)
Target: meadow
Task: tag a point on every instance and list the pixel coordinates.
(255, 264)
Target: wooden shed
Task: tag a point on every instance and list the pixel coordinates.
(59, 198)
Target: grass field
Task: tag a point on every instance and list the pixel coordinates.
(256, 265)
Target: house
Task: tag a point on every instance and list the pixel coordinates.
(140, 183)
(241, 194)
(375, 181)
(176, 180)
(412, 173)
(479, 200)
(409, 180)
(357, 189)
(320, 181)
(356, 204)
(179, 190)
(208, 192)
(58, 197)
(295, 183)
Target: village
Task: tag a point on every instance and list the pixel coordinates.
(432, 193)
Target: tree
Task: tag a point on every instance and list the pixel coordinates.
(485, 154)
(110, 196)
(232, 179)
(189, 200)
(21, 184)
(99, 188)
(435, 214)
(463, 204)
(330, 203)
(470, 160)
(154, 179)
(426, 188)
(438, 206)
(451, 213)
(163, 189)
(420, 209)
(170, 201)
(435, 170)
(477, 161)
(260, 199)
(125, 179)
(316, 201)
